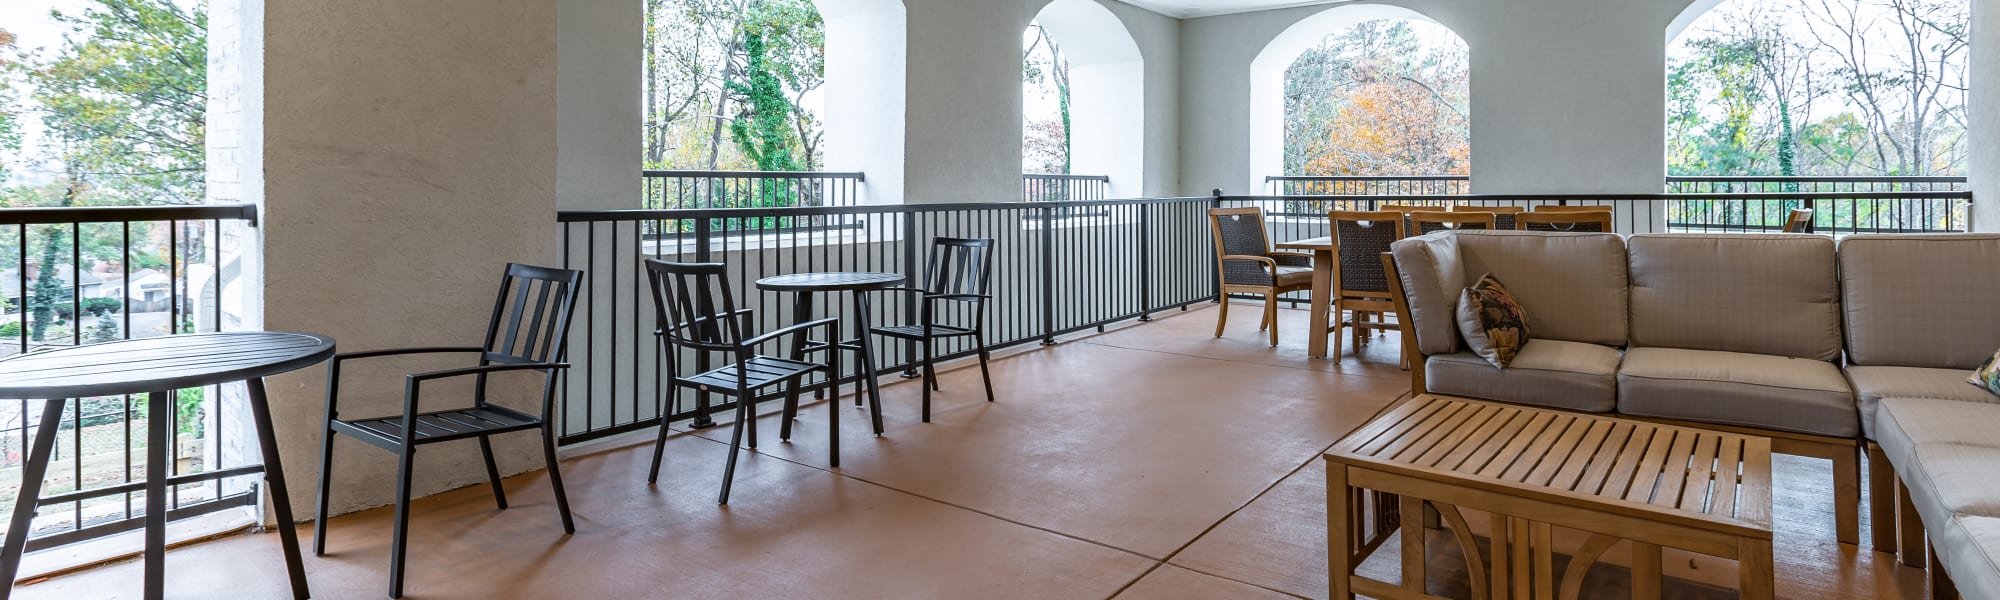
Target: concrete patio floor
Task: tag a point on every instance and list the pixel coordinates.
(1150, 461)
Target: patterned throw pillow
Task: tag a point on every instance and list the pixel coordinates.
(1492, 321)
(1987, 375)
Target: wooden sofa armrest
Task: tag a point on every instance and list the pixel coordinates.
(1413, 357)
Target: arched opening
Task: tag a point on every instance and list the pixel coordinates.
(1362, 90)
(1805, 88)
(1083, 102)
(772, 86)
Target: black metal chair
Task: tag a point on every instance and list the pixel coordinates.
(696, 312)
(960, 270)
(535, 305)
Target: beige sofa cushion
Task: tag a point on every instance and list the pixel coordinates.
(1901, 424)
(1872, 384)
(1730, 388)
(1549, 373)
(1969, 549)
(1573, 285)
(1756, 294)
(1920, 300)
(1432, 278)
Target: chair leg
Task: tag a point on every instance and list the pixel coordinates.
(325, 477)
(735, 445)
(930, 380)
(984, 375)
(492, 472)
(1338, 327)
(1271, 315)
(791, 408)
(1222, 315)
(555, 479)
(659, 448)
(399, 540)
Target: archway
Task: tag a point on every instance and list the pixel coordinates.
(1105, 88)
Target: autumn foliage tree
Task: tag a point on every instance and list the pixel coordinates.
(1386, 97)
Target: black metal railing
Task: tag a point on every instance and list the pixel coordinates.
(750, 189)
(1813, 185)
(1347, 185)
(1836, 213)
(75, 276)
(1060, 268)
(1038, 187)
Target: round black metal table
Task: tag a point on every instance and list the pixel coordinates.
(155, 367)
(806, 285)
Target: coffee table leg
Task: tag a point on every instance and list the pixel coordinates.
(867, 360)
(1413, 543)
(1754, 558)
(274, 478)
(1646, 571)
(36, 468)
(159, 421)
(1338, 537)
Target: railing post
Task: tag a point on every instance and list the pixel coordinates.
(1048, 219)
(910, 314)
(703, 228)
(1215, 274)
(1145, 262)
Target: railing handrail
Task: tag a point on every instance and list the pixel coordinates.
(636, 214)
(1067, 176)
(1391, 198)
(719, 174)
(119, 214)
(1270, 178)
(1818, 178)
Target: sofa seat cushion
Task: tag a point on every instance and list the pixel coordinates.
(1548, 373)
(1730, 388)
(1969, 548)
(1902, 424)
(1872, 384)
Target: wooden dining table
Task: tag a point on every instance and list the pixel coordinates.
(1325, 263)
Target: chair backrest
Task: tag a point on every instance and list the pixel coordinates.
(1410, 208)
(530, 322)
(1503, 216)
(1359, 239)
(1430, 222)
(693, 305)
(960, 266)
(1556, 208)
(1588, 221)
(1240, 231)
(1799, 221)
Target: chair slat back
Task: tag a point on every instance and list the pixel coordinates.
(959, 266)
(1581, 221)
(1431, 222)
(1503, 216)
(1799, 221)
(530, 321)
(1359, 239)
(693, 305)
(1240, 231)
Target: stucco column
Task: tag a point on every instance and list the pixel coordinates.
(1983, 115)
(409, 150)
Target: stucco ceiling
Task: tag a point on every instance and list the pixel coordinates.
(1186, 9)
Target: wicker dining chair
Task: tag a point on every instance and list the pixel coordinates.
(534, 307)
(1583, 221)
(1361, 287)
(1406, 209)
(1554, 208)
(1431, 222)
(1244, 259)
(1503, 216)
(1799, 221)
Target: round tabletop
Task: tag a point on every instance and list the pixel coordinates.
(158, 363)
(829, 282)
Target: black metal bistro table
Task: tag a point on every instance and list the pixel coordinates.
(154, 367)
(806, 285)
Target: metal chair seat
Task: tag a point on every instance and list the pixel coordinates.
(438, 426)
(916, 332)
(761, 371)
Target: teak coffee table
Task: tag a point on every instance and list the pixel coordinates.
(1534, 470)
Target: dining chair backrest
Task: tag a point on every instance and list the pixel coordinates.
(1799, 221)
(1503, 216)
(1359, 239)
(530, 321)
(1240, 232)
(1549, 208)
(960, 268)
(693, 305)
(1582, 221)
(1431, 222)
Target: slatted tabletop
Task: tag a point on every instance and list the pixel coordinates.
(159, 363)
(829, 282)
(1680, 474)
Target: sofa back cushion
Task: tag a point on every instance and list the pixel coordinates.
(1920, 300)
(1573, 285)
(1771, 294)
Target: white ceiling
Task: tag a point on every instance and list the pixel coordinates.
(1187, 9)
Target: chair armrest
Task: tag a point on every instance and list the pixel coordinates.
(958, 296)
(484, 369)
(1292, 259)
(1269, 264)
(795, 328)
(740, 315)
(405, 351)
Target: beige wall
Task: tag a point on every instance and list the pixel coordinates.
(1983, 114)
(409, 150)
